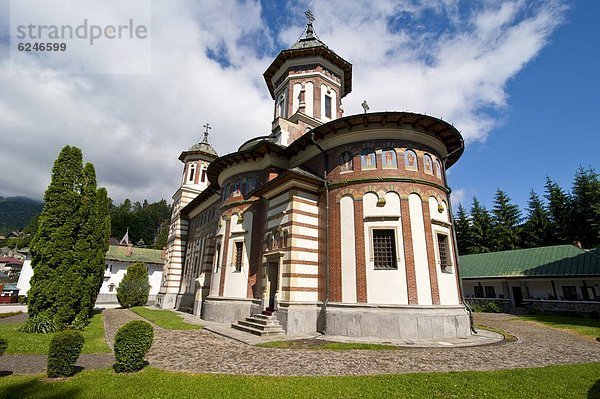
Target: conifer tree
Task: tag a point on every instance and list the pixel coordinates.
(536, 230)
(133, 290)
(506, 220)
(463, 230)
(586, 207)
(481, 229)
(559, 209)
(69, 246)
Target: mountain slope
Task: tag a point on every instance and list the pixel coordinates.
(16, 212)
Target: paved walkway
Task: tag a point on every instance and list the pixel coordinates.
(205, 352)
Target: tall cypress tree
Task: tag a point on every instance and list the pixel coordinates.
(70, 242)
(586, 207)
(481, 229)
(463, 230)
(559, 209)
(536, 230)
(506, 220)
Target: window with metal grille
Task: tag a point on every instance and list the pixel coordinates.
(327, 106)
(384, 249)
(442, 240)
(478, 290)
(490, 292)
(239, 247)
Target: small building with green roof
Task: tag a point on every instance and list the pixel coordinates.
(545, 277)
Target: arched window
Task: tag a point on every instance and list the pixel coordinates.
(346, 162)
(427, 164)
(437, 167)
(389, 159)
(368, 159)
(192, 173)
(250, 184)
(410, 160)
(237, 188)
(276, 239)
(281, 106)
(285, 238)
(203, 176)
(269, 241)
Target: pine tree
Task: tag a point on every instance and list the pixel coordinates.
(536, 230)
(463, 230)
(506, 220)
(481, 229)
(586, 207)
(69, 246)
(559, 209)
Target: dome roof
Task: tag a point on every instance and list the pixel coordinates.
(204, 146)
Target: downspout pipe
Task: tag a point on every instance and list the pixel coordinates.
(326, 168)
(455, 243)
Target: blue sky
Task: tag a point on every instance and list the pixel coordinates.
(518, 78)
(551, 124)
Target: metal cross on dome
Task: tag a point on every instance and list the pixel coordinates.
(206, 127)
(309, 16)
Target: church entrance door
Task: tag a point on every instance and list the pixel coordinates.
(273, 278)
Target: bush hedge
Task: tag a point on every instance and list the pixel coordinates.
(3, 346)
(65, 348)
(134, 288)
(132, 343)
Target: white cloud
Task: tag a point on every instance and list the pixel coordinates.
(133, 127)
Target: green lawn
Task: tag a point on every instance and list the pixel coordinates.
(584, 326)
(165, 319)
(554, 382)
(322, 344)
(29, 343)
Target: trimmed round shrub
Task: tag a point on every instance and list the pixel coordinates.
(65, 349)
(3, 346)
(133, 290)
(132, 343)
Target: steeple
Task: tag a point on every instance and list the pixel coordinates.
(307, 82)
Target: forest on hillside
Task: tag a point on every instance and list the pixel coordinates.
(559, 216)
(17, 212)
(147, 223)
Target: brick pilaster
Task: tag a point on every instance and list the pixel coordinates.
(435, 292)
(360, 253)
(411, 279)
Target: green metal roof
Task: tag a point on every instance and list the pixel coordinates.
(119, 253)
(555, 261)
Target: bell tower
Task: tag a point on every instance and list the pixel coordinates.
(307, 83)
(193, 181)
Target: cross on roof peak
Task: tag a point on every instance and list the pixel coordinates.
(309, 16)
(206, 127)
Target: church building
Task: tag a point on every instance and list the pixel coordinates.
(331, 223)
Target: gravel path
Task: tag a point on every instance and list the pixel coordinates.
(537, 345)
(114, 319)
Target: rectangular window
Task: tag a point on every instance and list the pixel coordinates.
(490, 292)
(384, 249)
(327, 106)
(569, 292)
(442, 241)
(203, 179)
(239, 251)
(478, 291)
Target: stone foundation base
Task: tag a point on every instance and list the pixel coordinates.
(185, 303)
(112, 299)
(226, 310)
(397, 322)
(298, 318)
(166, 301)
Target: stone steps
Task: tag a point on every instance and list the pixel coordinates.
(262, 325)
